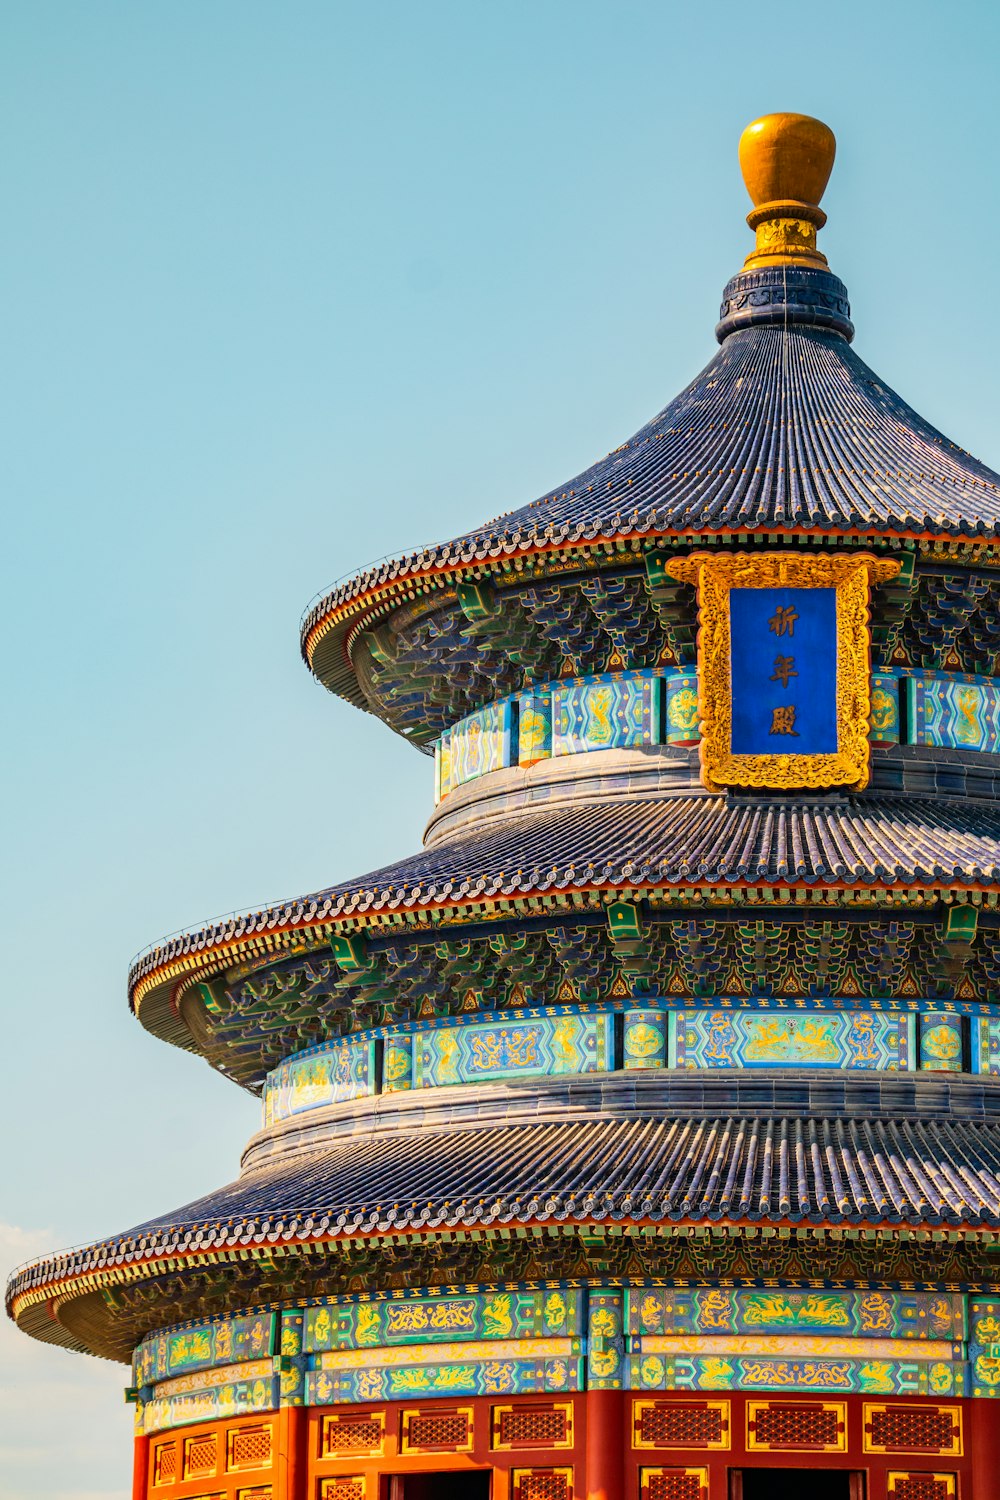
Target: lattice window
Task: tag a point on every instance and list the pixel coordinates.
(543, 1484)
(673, 1484)
(200, 1456)
(816, 1425)
(915, 1486)
(681, 1424)
(913, 1429)
(352, 1487)
(350, 1432)
(258, 1492)
(165, 1463)
(447, 1430)
(548, 1426)
(250, 1448)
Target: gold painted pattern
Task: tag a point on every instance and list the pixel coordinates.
(792, 1346)
(249, 1369)
(393, 1356)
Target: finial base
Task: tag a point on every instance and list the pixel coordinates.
(785, 295)
(786, 234)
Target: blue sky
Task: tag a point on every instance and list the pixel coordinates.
(287, 287)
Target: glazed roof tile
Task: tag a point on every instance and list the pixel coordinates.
(734, 1168)
(781, 429)
(864, 840)
(830, 1170)
(786, 428)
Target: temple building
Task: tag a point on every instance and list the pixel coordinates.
(639, 1137)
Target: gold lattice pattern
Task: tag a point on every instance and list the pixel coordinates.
(916, 1486)
(531, 1426)
(200, 1456)
(674, 1484)
(682, 1424)
(543, 1484)
(820, 1426)
(250, 1448)
(350, 1434)
(351, 1487)
(257, 1492)
(923, 1429)
(446, 1429)
(165, 1463)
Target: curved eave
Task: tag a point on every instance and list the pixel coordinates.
(869, 848)
(785, 433)
(663, 1177)
(36, 1312)
(331, 626)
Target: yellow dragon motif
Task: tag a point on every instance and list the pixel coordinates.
(497, 1321)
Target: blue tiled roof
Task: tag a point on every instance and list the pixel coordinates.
(867, 839)
(785, 428)
(852, 839)
(821, 1169)
(730, 1167)
(616, 1160)
(782, 428)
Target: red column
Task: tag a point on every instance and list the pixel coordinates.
(605, 1445)
(140, 1468)
(292, 1456)
(983, 1423)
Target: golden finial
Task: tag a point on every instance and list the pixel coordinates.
(786, 162)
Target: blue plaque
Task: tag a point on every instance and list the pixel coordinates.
(783, 653)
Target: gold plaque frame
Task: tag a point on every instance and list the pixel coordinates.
(852, 577)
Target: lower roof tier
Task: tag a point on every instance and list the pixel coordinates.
(552, 1159)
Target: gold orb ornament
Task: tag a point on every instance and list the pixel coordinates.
(786, 162)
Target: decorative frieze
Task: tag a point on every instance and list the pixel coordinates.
(748, 1039)
(345, 1070)
(655, 1369)
(615, 711)
(954, 711)
(645, 1039)
(865, 1314)
(651, 706)
(711, 1032)
(511, 1367)
(542, 1046)
(477, 745)
(559, 1339)
(941, 1042)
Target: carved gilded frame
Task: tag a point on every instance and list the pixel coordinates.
(852, 576)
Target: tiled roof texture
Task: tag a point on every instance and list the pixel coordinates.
(825, 1169)
(784, 428)
(733, 1168)
(779, 429)
(864, 840)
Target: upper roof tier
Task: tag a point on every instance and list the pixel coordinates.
(786, 430)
